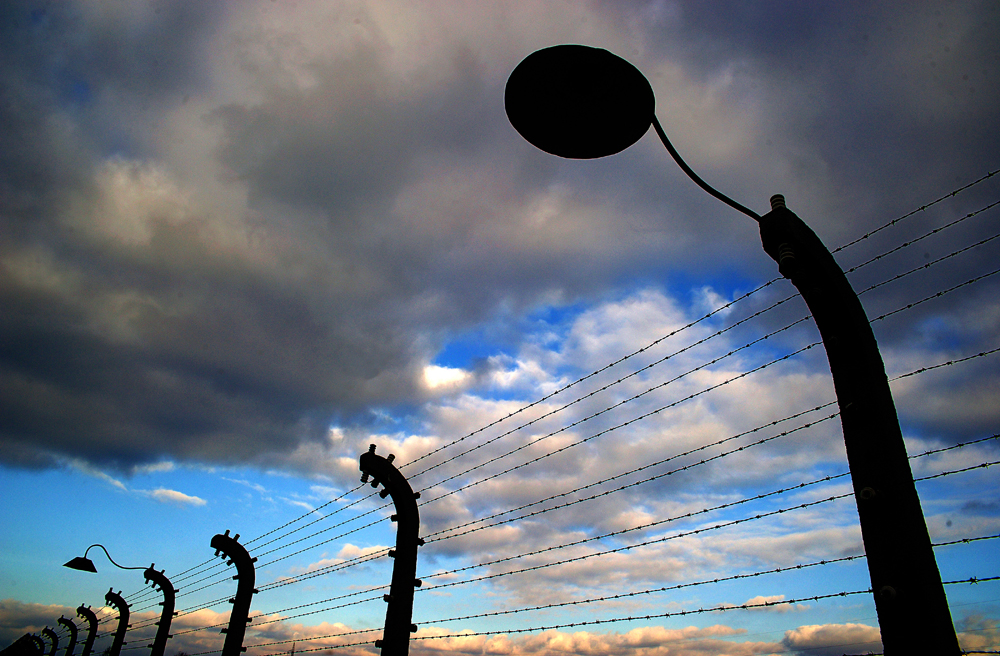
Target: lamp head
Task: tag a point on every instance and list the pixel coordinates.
(578, 101)
(82, 563)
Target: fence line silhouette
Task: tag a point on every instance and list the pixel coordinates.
(205, 570)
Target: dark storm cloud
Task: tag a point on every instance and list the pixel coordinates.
(222, 361)
(389, 206)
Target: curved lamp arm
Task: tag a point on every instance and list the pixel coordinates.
(694, 176)
(85, 564)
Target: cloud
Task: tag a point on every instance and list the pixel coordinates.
(154, 468)
(445, 377)
(636, 642)
(257, 487)
(173, 497)
(235, 246)
(347, 552)
(86, 468)
(977, 632)
(18, 618)
(830, 639)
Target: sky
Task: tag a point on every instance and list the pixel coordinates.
(241, 242)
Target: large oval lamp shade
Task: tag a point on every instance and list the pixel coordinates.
(578, 101)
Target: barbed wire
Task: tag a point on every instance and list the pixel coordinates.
(950, 194)
(565, 428)
(947, 364)
(934, 231)
(594, 373)
(926, 453)
(936, 295)
(572, 425)
(594, 622)
(911, 242)
(929, 264)
(680, 534)
(681, 586)
(613, 383)
(773, 493)
(644, 481)
(739, 502)
(641, 350)
(627, 473)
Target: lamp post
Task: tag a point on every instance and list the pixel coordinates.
(156, 579)
(581, 102)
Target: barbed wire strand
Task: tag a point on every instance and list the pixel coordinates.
(911, 242)
(861, 238)
(951, 194)
(723, 307)
(935, 231)
(680, 534)
(773, 493)
(928, 264)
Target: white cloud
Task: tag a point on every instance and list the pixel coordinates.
(164, 495)
(829, 639)
(257, 487)
(436, 377)
(154, 468)
(347, 552)
(645, 641)
(90, 470)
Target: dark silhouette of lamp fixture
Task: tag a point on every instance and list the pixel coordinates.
(582, 102)
(85, 564)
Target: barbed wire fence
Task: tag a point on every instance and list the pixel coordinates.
(475, 462)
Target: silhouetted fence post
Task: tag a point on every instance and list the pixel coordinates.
(54, 640)
(909, 597)
(115, 600)
(237, 555)
(91, 617)
(160, 582)
(583, 103)
(27, 645)
(399, 610)
(72, 635)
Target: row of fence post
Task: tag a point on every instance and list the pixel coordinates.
(399, 611)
